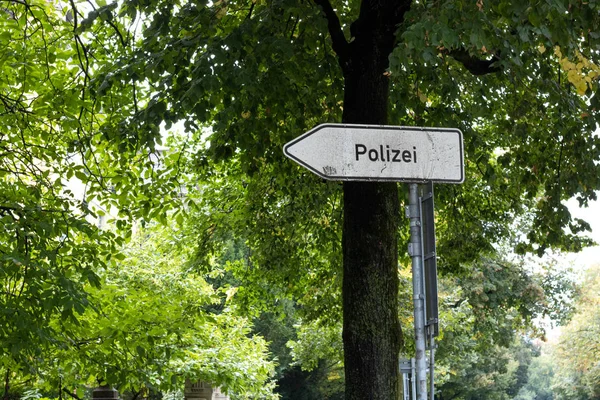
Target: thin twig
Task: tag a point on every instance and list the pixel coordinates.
(73, 395)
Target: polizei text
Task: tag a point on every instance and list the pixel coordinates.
(385, 154)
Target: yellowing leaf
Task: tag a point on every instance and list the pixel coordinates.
(542, 49)
(581, 74)
(230, 293)
(581, 87)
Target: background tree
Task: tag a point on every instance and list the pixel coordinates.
(150, 326)
(49, 251)
(576, 375)
(74, 309)
(539, 379)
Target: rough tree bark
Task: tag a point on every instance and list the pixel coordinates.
(371, 211)
(372, 332)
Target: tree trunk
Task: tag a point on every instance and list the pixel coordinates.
(372, 334)
(370, 290)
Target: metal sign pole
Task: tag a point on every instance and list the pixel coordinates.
(431, 363)
(413, 379)
(430, 277)
(415, 251)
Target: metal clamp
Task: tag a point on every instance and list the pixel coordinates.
(414, 250)
(412, 211)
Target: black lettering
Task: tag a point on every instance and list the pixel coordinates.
(359, 152)
(385, 153)
(373, 156)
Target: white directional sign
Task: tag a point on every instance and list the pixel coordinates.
(380, 153)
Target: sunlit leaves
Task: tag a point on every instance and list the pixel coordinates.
(49, 251)
(582, 73)
(65, 165)
(150, 325)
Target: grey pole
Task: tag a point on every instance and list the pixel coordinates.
(413, 379)
(415, 250)
(431, 364)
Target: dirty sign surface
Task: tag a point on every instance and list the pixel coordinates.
(380, 153)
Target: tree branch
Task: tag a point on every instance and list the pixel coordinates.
(136, 394)
(475, 65)
(339, 42)
(23, 3)
(21, 210)
(13, 105)
(6, 384)
(124, 43)
(249, 15)
(382, 17)
(73, 395)
(78, 43)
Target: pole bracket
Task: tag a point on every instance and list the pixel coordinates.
(412, 211)
(414, 250)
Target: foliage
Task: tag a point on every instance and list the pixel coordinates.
(84, 92)
(493, 373)
(539, 379)
(73, 308)
(49, 251)
(48, 142)
(317, 341)
(487, 321)
(487, 324)
(577, 373)
(515, 163)
(259, 73)
(148, 328)
(274, 257)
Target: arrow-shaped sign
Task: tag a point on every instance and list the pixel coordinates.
(380, 153)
